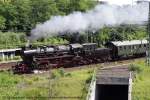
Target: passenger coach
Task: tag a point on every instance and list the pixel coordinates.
(131, 48)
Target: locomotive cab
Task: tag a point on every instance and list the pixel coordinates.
(76, 48)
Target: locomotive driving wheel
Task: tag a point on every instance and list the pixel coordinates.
(77, 61)
(21, 68)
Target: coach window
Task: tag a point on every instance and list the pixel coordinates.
(144, 45)
(134, 46)
(120, 48)
(124, 47)
(140, 45)
(147, 46)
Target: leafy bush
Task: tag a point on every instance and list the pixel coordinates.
(11, 39)
(14, 40)
(62, 72)
(68, 74)
(58, 73)
(141, 85)
(88, 80)
(7, 78)
(90, 71)
(54, 74)
(135, 68)
(35, 78)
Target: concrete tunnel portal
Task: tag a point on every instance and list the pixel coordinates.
(113, 84)
(111, 92)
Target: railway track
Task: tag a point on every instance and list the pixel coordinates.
(107, 64)
(8, 65)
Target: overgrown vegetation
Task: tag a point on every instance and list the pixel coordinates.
(23, 15)
(141, 84)
(14, 40)
(61, 83)
(135, 68)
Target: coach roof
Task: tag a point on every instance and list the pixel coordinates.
(132, 42)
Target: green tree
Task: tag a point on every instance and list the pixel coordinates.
(42, 10)
(81, 5)
(9, 13)
(22, 16)
(2, 22)
(63, 6)
(85, 5)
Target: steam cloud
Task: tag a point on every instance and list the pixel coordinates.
(100, 16)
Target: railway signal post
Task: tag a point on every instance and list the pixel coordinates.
(148, 32)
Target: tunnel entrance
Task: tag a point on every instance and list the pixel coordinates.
(111, 92)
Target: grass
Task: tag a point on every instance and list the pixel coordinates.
(38, 86)
(64, 83)
(141, 84)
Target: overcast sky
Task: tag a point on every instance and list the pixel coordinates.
(121, 2)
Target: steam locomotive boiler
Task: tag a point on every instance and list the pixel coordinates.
(46, 57)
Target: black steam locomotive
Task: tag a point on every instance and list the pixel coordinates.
(46, 57)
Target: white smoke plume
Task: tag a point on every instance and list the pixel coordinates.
(100, 16)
